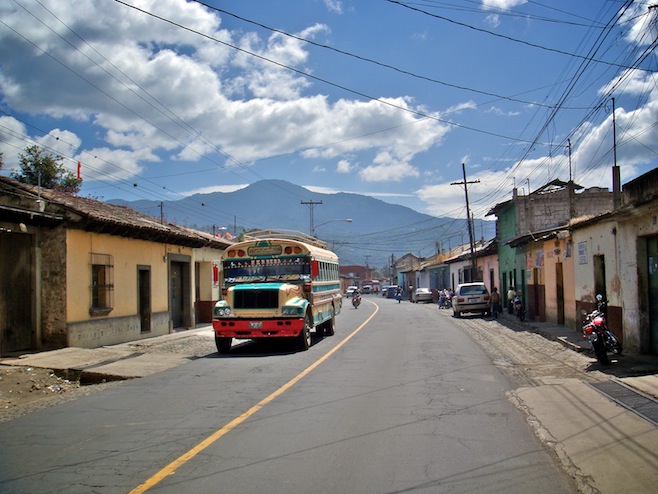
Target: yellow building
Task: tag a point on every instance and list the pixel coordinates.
(80, 272)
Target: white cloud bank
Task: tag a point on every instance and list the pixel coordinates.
(152, 91)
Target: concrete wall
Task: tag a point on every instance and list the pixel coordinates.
(541, 211)
(98, 332)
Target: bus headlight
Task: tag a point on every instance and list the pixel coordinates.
(222, 311)
(291, 311)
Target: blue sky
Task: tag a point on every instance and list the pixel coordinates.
(159, 99)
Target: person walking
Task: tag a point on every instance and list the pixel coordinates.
(495, 303)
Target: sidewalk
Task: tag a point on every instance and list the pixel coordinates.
(637, 371)
(110, 363)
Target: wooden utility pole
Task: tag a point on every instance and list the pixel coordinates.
(468, 221)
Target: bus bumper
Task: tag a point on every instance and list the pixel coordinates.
(257, 328)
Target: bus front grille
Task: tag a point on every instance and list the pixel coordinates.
(256, 299)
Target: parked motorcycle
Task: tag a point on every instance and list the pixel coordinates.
(595, 330)
(356, 300)
(518, 308)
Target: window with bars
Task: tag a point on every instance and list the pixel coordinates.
(102, 283)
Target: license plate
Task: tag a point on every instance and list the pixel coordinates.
(473, 300)
(256, 325)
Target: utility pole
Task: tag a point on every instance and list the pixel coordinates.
(468, 220)
(616, 174)
(311, 205)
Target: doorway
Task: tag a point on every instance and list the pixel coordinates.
(180, 291)
(652, 260)
(599, 276)
(559, 285)
(144, 298)
(16, 293)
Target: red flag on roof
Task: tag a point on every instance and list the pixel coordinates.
(79, 166)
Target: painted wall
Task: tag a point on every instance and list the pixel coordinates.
(631, 237)
(560, 251)
(88, 329)
(127, 254)
(594, 241)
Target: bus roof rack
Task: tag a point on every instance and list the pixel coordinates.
(286, 235)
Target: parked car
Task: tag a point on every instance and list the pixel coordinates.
(350, 290)
(471, 297)
(423, 295)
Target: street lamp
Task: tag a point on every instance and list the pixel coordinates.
(346, 220)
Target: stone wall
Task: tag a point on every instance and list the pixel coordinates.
(53, 287)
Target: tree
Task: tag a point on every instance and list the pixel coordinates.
(46, 170)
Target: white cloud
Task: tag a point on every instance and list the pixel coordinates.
(493, 20)
(215, 188)
(387, 168)
(332, 190)
(107, 164)
(335, 6)
(154, 91)
(12, 141)
(642, 22)
(344, 166)
(502, 4)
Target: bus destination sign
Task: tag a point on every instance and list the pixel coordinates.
(265, 250)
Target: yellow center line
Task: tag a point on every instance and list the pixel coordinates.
(185, 457)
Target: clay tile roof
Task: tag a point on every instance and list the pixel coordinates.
(101, 217)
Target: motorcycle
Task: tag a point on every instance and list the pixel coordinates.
(595, 330)
(518, 308)
(356, 301)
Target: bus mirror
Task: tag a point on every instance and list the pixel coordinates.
(315, 268)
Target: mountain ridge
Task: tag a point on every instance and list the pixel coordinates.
(378, 229)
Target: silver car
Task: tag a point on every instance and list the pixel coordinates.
(471, 297)
(422, 295)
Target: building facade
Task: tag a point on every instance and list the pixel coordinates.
(80, 272)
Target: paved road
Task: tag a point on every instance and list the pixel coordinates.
(403, 401)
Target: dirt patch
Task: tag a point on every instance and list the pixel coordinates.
(28, 389)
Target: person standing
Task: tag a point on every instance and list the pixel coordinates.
(495, 303)
(511, 293)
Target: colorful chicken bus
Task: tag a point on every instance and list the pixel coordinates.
(277, 288)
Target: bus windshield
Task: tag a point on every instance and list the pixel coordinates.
(267, 270)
